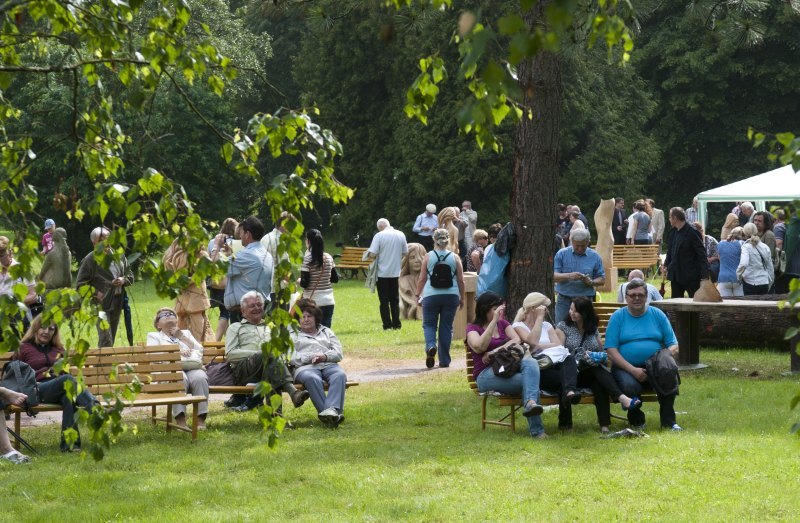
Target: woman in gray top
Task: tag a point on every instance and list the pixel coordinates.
(642, 235)
(316, 357)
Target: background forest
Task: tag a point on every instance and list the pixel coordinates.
(669, 125)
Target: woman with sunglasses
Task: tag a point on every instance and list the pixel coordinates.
(41, 347)
(489, 333)
(195, 379)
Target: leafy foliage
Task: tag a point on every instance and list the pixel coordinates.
(111, 60)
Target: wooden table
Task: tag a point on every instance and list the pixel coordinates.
(687, 328)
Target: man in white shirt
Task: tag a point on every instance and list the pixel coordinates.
(270, 243)
(388, 246)
(424, 226)
(652, 292)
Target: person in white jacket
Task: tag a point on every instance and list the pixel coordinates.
(755, 268)
(195, 379)
(316, 357)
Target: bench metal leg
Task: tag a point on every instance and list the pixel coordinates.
(483, 413)
(17, 427)
(195, 420)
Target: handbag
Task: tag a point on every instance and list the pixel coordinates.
(20, 377)
(220, 374)
(507, 361)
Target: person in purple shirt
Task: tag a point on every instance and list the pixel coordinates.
(634, 334)
(490, 332)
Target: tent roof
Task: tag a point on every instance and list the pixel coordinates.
(778, 185)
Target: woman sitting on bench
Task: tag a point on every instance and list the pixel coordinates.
(491, 332)
(41, 348)
(579, 334)
(317, 352)
(195, 379)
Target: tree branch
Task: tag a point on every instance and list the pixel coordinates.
(194, 109)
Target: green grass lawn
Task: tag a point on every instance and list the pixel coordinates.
(412, 450)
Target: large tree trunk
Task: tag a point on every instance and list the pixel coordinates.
(535, 182)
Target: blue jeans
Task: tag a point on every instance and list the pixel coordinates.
(526, 381)
(631, 387)
(441, 309)
(53, 391)
(312, 380)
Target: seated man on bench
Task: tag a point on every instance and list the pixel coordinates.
(243, 342)
(634, 335)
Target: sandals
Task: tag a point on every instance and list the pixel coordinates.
(532, 409)
(635, 404)
(16, 457)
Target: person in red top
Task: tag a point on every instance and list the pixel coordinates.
(490, 332)
(41, 347)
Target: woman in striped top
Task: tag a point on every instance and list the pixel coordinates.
(315, 275)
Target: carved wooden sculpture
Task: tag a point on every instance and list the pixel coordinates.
(409, 273)
(446, 217)
(603, 217)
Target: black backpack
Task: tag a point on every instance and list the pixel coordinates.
(442, 275)
(19, 377)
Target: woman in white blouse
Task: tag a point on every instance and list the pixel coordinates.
(755, 268)
(195, 379)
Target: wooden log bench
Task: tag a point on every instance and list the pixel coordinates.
(686, 316)
(215, 351)
(157, 367)
(514, 402)
(351, 259)
(635, 256)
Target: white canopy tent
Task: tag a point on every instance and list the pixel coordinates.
(780, 185)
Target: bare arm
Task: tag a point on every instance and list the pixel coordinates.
(476, 260)
(460, 281)
(423, 276)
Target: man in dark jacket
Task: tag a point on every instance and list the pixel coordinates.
(686, 262)
(108, 279)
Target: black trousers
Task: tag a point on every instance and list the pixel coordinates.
(678, 289)
(603, 385)
(561, 377)
(389, 297)
(425, 241)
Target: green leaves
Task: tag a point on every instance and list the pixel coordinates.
(422, 94)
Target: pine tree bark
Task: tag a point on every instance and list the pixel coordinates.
(536, 171)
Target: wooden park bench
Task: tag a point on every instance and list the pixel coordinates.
(215, 351)
(514, 402)
(351, 259)
(635, 256)
(157, 367)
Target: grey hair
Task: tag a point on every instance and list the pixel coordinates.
(382, 224)
(750, 232)
(635, 283)
(94, 236)
(747, 205)
(636, 274)
(580, 235)
(250, 295)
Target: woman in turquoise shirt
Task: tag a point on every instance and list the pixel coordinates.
(442, 293)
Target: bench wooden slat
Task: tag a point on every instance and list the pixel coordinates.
(215, 351)
(514, 402)
(635, 256)
(157, 367)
